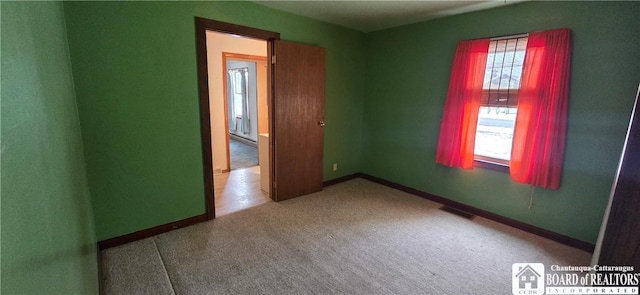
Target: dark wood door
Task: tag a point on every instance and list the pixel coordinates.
(298, 119)
(620, 244)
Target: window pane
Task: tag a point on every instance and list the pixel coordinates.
(237, 104)
(238, 96)
(504, 64)
(488, 73)
(516, 73)
(503, 72)
(494, 133)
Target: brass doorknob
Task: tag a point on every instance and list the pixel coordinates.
(321, 123)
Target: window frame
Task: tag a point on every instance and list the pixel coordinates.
(512, 93)
(490, 163)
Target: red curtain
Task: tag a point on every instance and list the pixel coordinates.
(540, 130)
(458, 126)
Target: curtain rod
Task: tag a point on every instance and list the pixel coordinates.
(502, 37)
(508, 37)
(519, 35)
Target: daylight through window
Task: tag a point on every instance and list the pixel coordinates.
(239, 89)
(498, 110)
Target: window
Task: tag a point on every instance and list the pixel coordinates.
(239, 94)
(498, 106)
(508, 90)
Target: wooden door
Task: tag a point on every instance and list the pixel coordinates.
(298, 119)
(619, 244)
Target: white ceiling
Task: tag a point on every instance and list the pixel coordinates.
(368, 16)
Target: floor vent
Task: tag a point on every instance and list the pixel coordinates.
(457, 212)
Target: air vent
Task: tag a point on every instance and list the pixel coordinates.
(457, 212)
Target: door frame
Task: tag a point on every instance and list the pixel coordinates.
(202, 26)
(227, 56)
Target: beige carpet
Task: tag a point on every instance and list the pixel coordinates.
(356, 237)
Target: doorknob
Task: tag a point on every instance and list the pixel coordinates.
(321, 123)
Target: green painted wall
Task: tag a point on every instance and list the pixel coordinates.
(135, 74)
(407, 77)
(48, 240)
(134, 67)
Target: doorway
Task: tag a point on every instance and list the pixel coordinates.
(245, 94)
(237, 74)
(295, 97)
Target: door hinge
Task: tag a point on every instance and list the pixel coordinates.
(274, 184)
(273, 59)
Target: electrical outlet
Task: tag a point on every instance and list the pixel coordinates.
(335, 166)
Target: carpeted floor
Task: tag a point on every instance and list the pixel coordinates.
(355, 237)
(242, 155)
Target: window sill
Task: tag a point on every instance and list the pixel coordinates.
(491, 165)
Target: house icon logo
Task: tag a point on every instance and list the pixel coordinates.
(527, 278)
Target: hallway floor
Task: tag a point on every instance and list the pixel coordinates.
(238, 190)
(242, 155)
